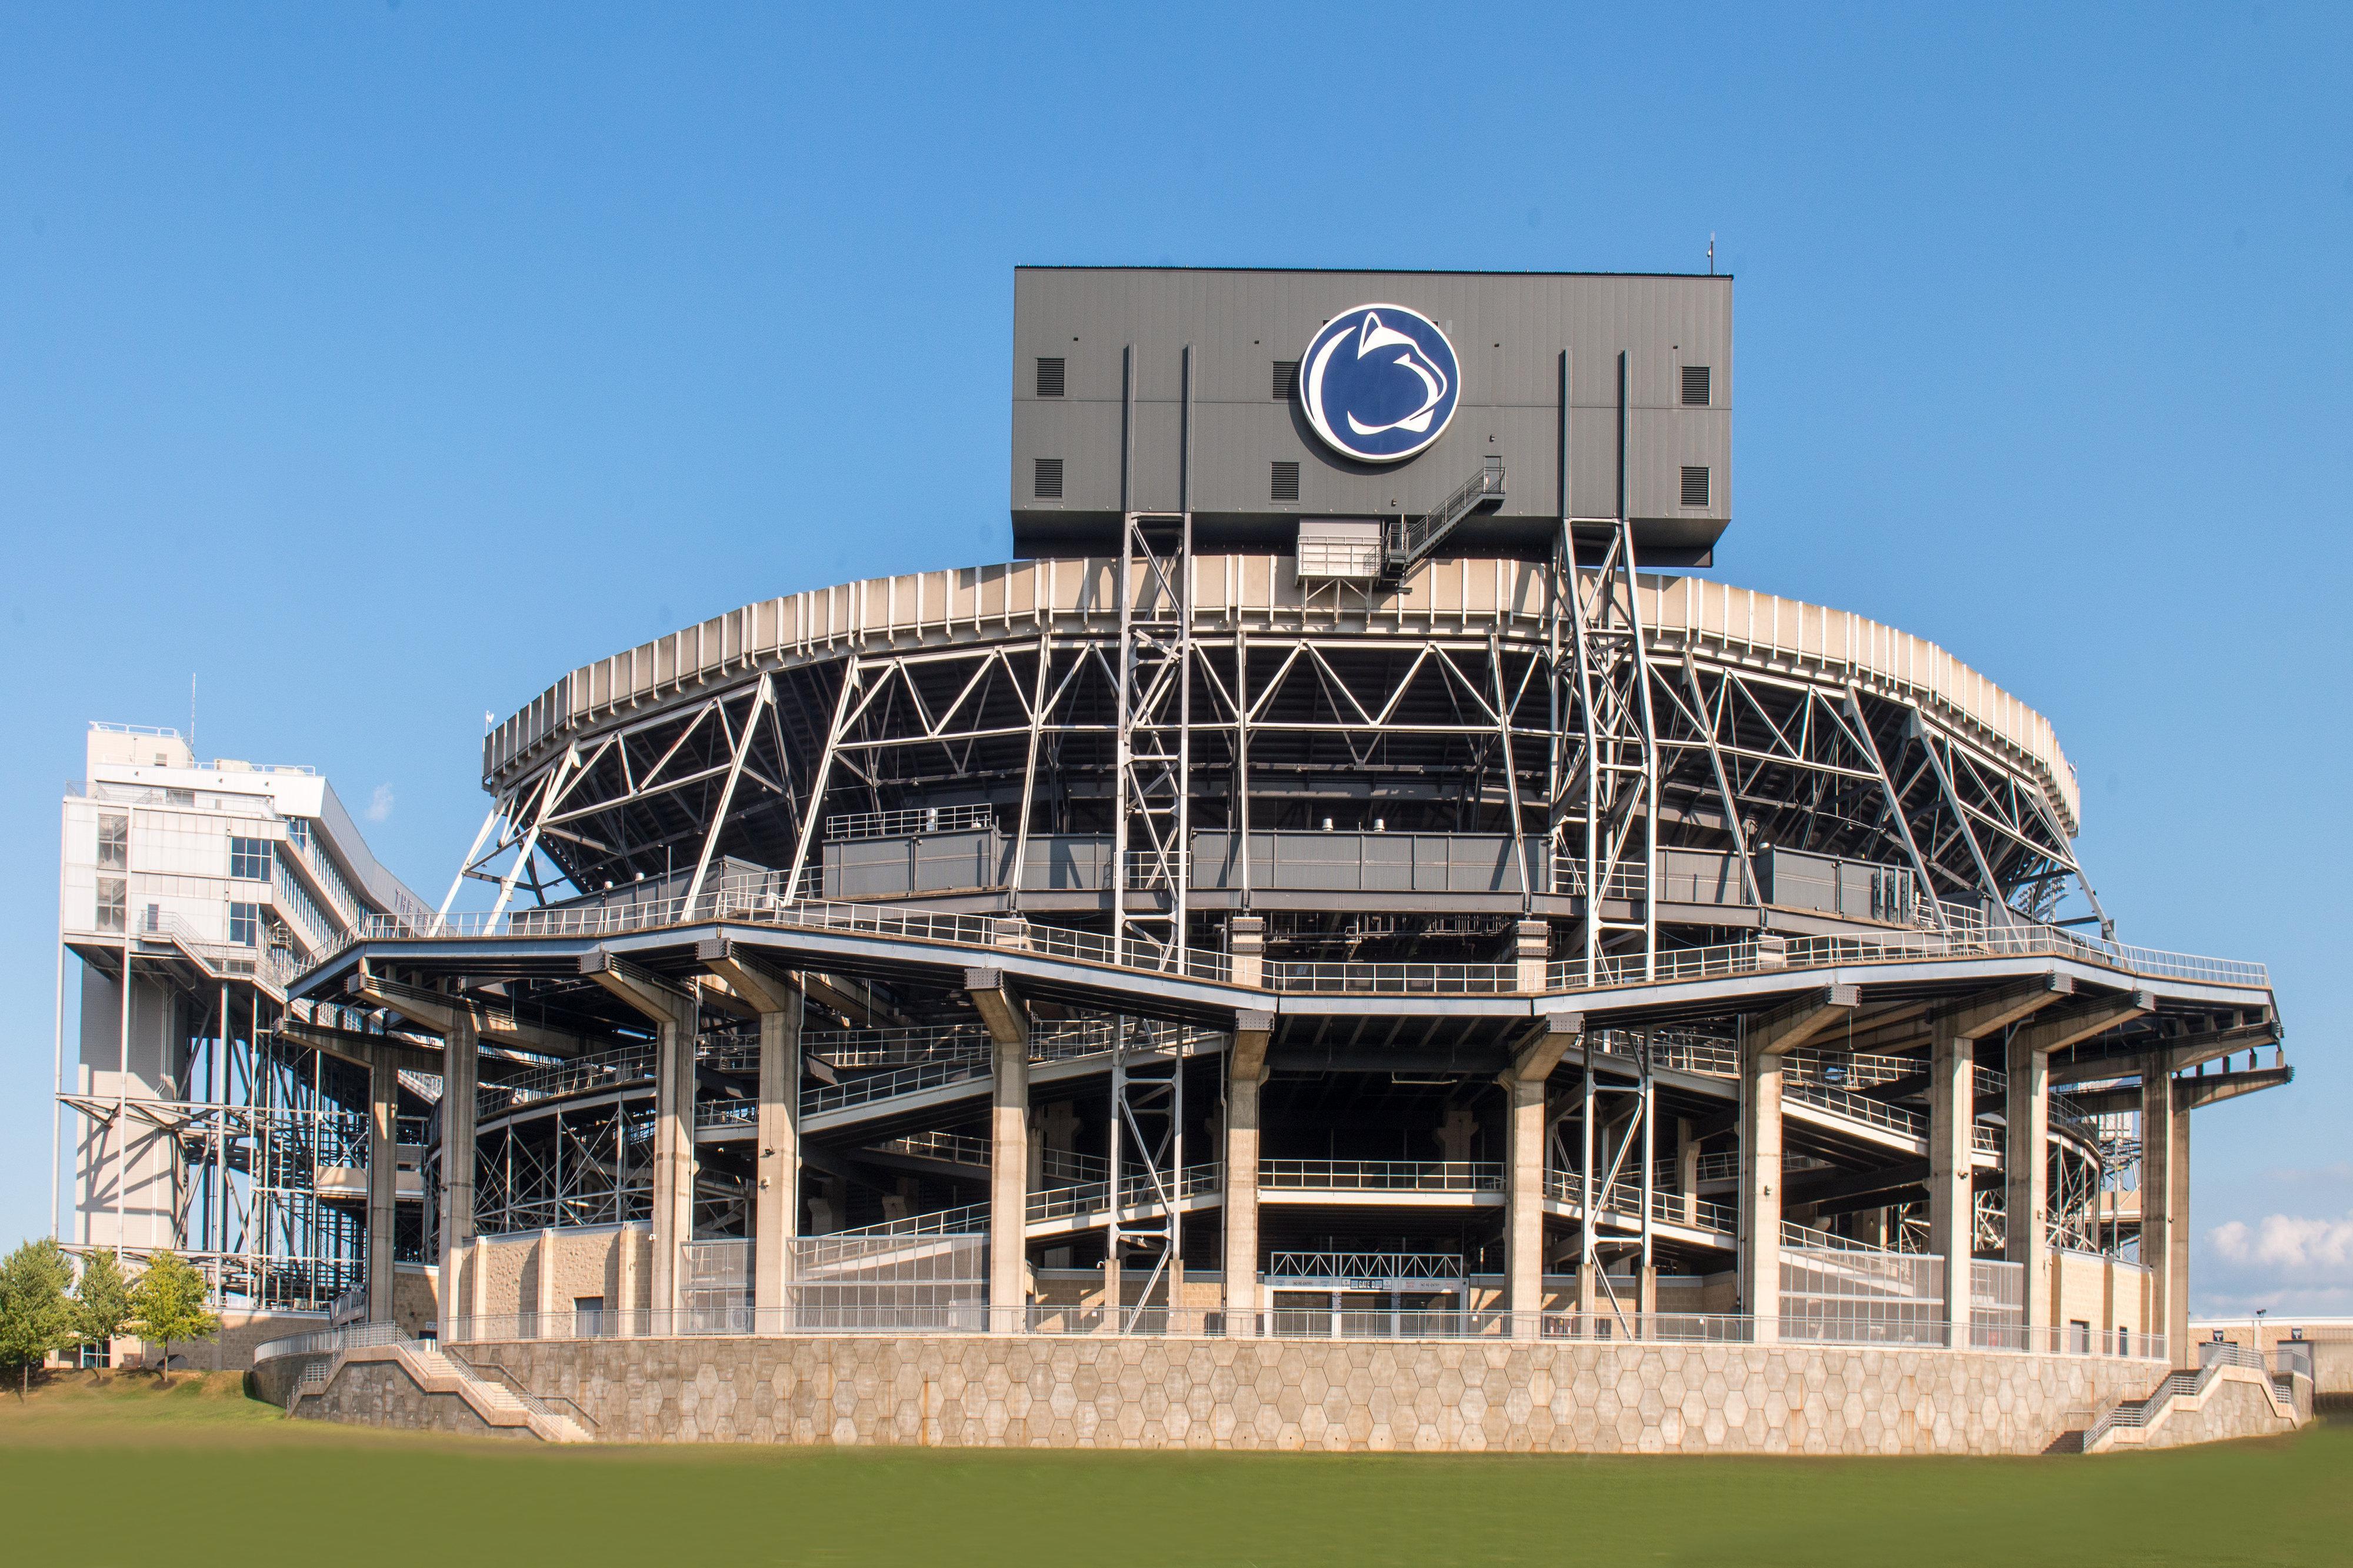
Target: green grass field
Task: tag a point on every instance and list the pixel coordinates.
(88, 1469)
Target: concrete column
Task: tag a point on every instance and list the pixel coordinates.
(1246, 945)
(545, 1304)
(2026, 1161)
(1687, 1169)
(1952, 1219)
(1531, 948)
(625, 1283)
(1008, 1187)
(777, 1207)
(1242, 1203)
(1524, 1195)
(1760, 1190)
(673, 1174)
(384, 1183)
(2165, 1210)
(461, 1068)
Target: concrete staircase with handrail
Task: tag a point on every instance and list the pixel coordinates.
(434, 1372)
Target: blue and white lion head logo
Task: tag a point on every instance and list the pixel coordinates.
(1379, 382)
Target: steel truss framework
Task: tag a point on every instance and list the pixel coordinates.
(242, 1163)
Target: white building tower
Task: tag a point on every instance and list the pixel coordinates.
(197, 1123)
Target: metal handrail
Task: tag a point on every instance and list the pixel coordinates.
(1393, 979)
(1418, 536)
(1382, 1175)
(1337, 1269)
(891, 1084)
(581, 1075)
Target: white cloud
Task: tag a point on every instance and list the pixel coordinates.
(2288, 1264)
(379, 805)
(2288, 1244)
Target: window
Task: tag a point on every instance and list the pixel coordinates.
(244, 925)
(2079, 1337)
(1694, 486)
(1696, 386)
(114, 841)
(96, 1356)
(248, 860)
(113, 900)
(1284, 486)
(1050, 377)
(1286, 380)
(298, 832)
(1046, 483)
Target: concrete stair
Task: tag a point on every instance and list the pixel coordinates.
(434, 1372)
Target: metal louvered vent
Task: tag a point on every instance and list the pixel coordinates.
(1049, 379)
(1285, 484)
(1048, 482)
(1286, 380)
(1696, 388)
(1694, 486)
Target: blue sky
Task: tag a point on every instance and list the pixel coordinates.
(376, 363)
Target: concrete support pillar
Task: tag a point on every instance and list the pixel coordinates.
(1246, 945)
(1952, 1217)
(2165, 1209)
(2026, 1161)
(1009, 1186)
(776, 1205)
(1760, 1190)
(1524, 1195)
(1242, 1203)
(384, 1183)
(549, 1320)
(673, 1174)
(1531, 948)
(1687, 1170)
(1649, 1307)
(478, 1283)
(626, 1274)
(460, 1069)
(1245, 1078)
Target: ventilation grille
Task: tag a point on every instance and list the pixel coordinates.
(1285, 483)
(1048, 484)
(1049, 380)
(1694, 486)
(1286, 380)
(1695, 385)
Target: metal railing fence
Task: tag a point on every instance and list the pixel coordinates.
(1382, 1175)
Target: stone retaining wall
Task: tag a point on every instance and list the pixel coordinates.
(1426, 1395)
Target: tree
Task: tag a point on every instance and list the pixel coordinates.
(102, 1299)
(36, 1317)
(167, 1304)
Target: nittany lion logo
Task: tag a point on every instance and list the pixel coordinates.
(1379, 382)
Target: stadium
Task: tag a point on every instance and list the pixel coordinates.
(1348, 940)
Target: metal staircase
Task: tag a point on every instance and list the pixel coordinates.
(1407, 541)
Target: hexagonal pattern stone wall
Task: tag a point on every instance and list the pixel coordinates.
(1425, 1396)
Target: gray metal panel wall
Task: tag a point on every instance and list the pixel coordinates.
(1508, 329)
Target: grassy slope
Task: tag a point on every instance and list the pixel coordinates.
(309, 1489)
